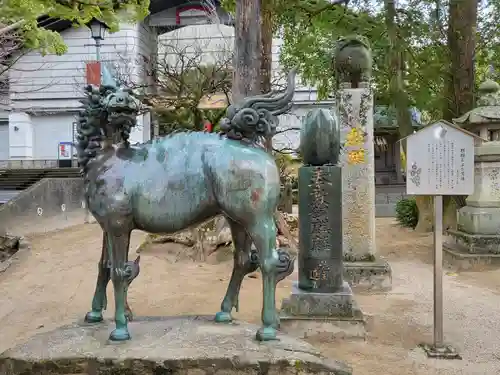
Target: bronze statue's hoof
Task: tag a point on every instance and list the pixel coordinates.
(266, 334)
(223, 317)
(120, 334)
(93, 317)
(285, 266)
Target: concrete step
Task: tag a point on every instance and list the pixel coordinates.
(6, 195)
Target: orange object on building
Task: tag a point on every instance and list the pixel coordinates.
(93, 72)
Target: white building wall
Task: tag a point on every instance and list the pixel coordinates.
(4, 140)
(49, 130)
(47, 89)
(217, 42)
(212, 43)
(41, 78)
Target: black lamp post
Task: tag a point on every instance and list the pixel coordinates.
(97, 30)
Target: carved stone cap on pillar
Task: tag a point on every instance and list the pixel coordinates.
(487, 110)
(352, 62)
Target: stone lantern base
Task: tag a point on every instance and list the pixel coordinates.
(476, 241)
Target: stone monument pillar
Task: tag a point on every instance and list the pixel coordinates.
(476, 241)
(321, 302)
(355, 109)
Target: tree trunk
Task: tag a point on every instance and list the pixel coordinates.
(462, 24)
(246, 78)
(425, 206)
(398, 93)
(247, 53)
(399, 97)
(266, 56)
(459, 87)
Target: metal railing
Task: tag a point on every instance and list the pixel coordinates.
(33, 164)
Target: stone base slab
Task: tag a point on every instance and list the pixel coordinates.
(441, 352)
(178, 345)
(325, 329)
(373, 276)
(322, 315)
(459, 259)
(474, 243)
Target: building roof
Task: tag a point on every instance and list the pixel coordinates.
(384, 118)
(155, 6)
(54, 24)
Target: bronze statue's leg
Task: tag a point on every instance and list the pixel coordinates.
(119, 243)
(133, 270)
(99, 301)
(128, 312)
(263, 234)
(244, 263)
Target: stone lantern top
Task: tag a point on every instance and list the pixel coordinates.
(488, 106)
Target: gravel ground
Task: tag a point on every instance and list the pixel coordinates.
(32, 299)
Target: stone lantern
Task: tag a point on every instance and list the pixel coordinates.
(476, 241)
(484, 120)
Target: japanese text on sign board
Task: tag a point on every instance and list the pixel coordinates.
(443, 171)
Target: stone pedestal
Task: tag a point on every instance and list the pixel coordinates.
(362, 267)
(321, 302)
(477, 238)
(193, 345)
(322, 315)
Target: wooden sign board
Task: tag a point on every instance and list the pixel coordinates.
(440, 161)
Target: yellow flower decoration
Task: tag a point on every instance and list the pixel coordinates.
(356, 157)
(355, 137)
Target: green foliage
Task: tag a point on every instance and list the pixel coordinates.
(180, 92)
(407, 213)
(171, 120)
(309, 29)
(26, 13)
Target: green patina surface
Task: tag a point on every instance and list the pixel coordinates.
(320, 228)
(319, 138)
(179, 181)
(320, 204)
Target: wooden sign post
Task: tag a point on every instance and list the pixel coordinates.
(440, 161)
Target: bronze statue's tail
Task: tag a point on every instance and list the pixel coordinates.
(254, 120)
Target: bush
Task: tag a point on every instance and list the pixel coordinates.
(407, 213)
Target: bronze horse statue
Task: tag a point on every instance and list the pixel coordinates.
(178, 181)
